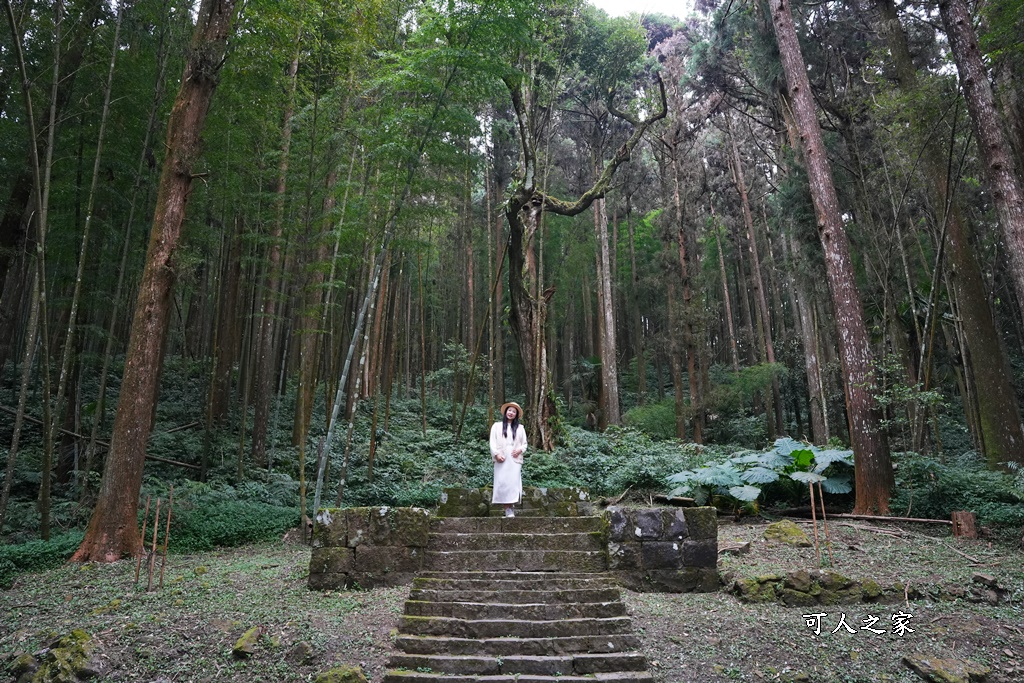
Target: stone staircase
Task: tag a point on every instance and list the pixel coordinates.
(521, 599)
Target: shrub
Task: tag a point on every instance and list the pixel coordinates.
(229, 523)
(36, 556)
(656, 420)
(926, 487)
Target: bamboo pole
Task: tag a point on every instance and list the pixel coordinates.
(167, 534)
(145, 518)
(151, 561)
(824, 524)
(814, 521)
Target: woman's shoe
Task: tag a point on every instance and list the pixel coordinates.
(509, 512)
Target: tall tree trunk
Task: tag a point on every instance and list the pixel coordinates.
(269, 315)
(113, 531)
(873, 468)
(998, 408)
(610, 408)
(757, 280)
(996, 154)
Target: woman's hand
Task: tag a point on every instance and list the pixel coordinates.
(498, 457)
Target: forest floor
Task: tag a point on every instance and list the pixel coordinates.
(186, 630)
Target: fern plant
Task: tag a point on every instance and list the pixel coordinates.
(789, 465)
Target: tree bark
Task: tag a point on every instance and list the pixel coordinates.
(528, 201)
(873, 468)
(269, 315)
(999, 421)
(610, 408)
(113, 531)
(996, 153)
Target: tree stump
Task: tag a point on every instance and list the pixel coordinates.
(964, 524)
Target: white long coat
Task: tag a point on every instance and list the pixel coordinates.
(508, 475)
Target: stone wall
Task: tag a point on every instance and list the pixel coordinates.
(664, 549)
(368, 547)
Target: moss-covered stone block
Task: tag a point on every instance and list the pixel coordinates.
(464, 502)
(385, 559)
(701, 523)
(381, 525)
(752, 590)
(619, 527)
(674, 525)
(341, 674)
(787, 532)
(799, 580)
(830, 580)
(661, 555)
(842, 596)
(795, 598)
(331, 528)
(870, 591)
(330, 560)
(410, 527)
(703, 553)
(246, 645)
(649, 524)
(623, 556)
(946, 669)
(358, 522)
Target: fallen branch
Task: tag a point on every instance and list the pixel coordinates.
(806, 512)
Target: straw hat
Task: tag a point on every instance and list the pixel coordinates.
(505, 406)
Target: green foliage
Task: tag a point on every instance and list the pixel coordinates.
(36, 556)
(228, 523)
(927, 487)
(780, 474)
(656, 420)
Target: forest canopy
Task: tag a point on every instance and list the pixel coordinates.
(239, 240)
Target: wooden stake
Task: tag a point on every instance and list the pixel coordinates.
(824, 524)
(814, 521)
(145, 518)
(167, 533)
(152, 551)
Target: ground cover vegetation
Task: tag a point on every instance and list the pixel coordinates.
(730, 253)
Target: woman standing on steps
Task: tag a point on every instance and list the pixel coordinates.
(508, 443)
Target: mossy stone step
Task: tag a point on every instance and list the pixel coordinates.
(550, 665)
(498, 628)
(518, 560)
(574, 540)
(516, 596)
(406, 676)
(532, 612)
(502, 647)
(494, 525)
(549, 579)
(596, 582)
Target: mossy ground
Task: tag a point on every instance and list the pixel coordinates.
(186, 631)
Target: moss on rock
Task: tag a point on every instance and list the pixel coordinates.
(342, 674)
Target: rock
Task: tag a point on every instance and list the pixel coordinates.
(23, 664)
(741, 549)
(246, 645)
(870, 590)
(946, 670)
(300, 653)
(65, 661)
(794, 677)
(985, 579)
(799, 581)
(341, 674)
(787, 532)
